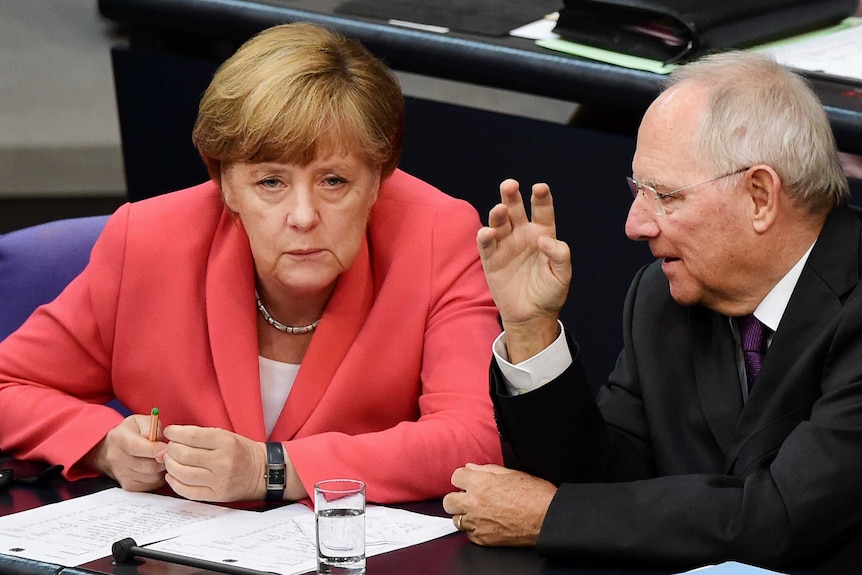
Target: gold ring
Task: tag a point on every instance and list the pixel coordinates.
(458, 522)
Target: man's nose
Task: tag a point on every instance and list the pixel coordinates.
(641, 223)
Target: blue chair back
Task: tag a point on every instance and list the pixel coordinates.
(38, 262)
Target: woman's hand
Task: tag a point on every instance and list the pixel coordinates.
(128, 456)
(209, 464)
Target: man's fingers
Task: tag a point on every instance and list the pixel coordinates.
(453, 503)
(499, 226)
(498, 217)
(510, 194)
(489, 468)
(542, 205)
(559, 256)
(485, 238)
(459, 478)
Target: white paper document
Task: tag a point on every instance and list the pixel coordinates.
(281, 540)
(83, 529)
(731, 568)
(539, 30)
(837, 53)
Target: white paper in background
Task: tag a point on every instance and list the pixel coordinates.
(83, 529)
(539, 30)
(282, 540)
(418, 26)
(731, 568)
(837, 53)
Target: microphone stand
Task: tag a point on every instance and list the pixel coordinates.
(126, 549)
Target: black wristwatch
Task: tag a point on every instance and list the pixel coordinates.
(275, 471)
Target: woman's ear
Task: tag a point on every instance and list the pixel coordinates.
(375, 194)
(224, 184)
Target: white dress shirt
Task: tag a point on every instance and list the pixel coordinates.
(769, 312)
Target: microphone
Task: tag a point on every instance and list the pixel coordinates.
(126, 549)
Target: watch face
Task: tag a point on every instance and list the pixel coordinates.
(275, 478)
(275, 471)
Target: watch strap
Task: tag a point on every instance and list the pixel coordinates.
(275, 471)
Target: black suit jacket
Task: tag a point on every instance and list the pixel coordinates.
(669, 466)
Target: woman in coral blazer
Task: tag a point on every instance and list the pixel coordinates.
(379, 371)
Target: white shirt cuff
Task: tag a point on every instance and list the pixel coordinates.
(536, 371)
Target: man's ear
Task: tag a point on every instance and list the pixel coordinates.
(764, 187)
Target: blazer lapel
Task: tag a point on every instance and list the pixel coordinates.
(232, 325)
(344, 316)
(714, 356)
(832, 270)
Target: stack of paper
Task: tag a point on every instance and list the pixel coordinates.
(80, 530)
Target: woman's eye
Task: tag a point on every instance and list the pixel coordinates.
(333, 181)
(269, 183)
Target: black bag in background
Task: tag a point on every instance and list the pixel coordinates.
(678, 30)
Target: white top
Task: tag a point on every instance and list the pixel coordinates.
(276, 381)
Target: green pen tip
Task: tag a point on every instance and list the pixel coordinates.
(155, 411)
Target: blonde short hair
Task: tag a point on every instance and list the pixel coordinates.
(294, 91)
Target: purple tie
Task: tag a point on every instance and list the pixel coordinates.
(752, 339)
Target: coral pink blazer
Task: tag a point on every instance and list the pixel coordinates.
(393, 389)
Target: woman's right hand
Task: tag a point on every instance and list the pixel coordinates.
(128, 456)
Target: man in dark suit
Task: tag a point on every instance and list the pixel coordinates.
(680, 460)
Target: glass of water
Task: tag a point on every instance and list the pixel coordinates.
(339, 510)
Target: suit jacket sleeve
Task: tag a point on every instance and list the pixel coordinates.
(663, 484)
(51, 396)
(555, 431)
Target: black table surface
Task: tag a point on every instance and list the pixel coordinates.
(449, 555)
(505, 62)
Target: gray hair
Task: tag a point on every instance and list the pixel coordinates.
(762, 113)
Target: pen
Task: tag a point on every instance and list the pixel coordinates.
(154, 423)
